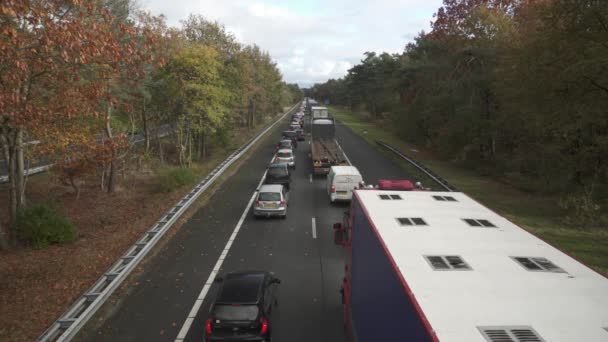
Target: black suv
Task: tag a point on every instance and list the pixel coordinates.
(242, 308)
(278, 173)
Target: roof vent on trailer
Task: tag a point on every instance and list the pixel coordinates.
(538, 264)
(479, 223)
(389, 197)
(445, 198)
(447, 263)
(510, 334)
(411, 221)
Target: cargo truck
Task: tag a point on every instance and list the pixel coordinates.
(439, 266)
(325, 150)
(319, 112)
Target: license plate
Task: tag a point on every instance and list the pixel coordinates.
(342, 192)
(270, 205)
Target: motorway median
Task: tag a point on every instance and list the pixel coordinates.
(35, 293)
(539, 213)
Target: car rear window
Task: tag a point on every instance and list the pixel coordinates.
(286, 143)
(289, 133)
(269, 196)
(236, 312)
(278, 171)
(284, 154)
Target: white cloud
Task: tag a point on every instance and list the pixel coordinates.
(316, 43)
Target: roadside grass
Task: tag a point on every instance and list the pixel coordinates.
(540, 214)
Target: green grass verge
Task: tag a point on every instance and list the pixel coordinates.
(539, 213)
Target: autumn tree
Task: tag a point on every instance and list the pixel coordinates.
(191, 80)
(55, 58)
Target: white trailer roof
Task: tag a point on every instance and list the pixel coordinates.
(498, 292)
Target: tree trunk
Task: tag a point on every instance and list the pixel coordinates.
(3, 238)
(11, 170)
(199, 146)
(204, 144)
(20, 175)
(160, 149)
(144, 119)
(112, 168)
(189, 147)
(5, 234)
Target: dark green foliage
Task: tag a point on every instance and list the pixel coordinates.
(170, 178)
(43, 224)
(515, 89)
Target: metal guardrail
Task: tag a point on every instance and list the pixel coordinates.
(30, 171)
(164, 131)
(72, 320)
(442, 182)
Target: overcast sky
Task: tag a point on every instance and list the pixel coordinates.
(311, 41)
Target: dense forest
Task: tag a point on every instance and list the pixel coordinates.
(79, 77)
(516, 89)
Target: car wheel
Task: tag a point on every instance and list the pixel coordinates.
(284, 216)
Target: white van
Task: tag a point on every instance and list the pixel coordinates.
(341, 180)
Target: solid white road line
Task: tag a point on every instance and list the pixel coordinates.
(341, 149)
(314, 228)
(201, 297)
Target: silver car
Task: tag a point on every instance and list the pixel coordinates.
(286, 156)
(271, 200)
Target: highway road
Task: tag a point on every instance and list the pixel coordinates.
(301, 254)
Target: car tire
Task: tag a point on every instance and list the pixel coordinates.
(284, 217)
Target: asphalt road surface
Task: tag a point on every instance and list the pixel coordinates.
(309, 265)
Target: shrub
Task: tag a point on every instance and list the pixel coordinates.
(585, 210)
(43, 224)
(169, 179)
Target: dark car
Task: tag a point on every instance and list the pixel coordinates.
(243, 307)
(291, 135)
(285, 143)
(301, 135)
(278, 173)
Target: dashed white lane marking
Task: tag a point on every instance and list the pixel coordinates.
(310, 177)
(314, 228)
(201, 297)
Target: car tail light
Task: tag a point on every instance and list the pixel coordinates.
(333, 189)
(264, 326)
(282, 203)
(257, 203)
(208, 329)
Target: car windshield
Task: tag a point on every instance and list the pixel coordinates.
(284, 154)
(235, 312)
(269, 196)
(278, 171)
